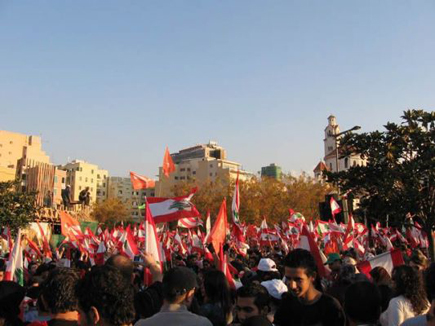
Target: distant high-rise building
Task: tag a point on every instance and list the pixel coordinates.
(122, 189)
(200, 163)
(271, 171)
(332, 156)
(81, 174)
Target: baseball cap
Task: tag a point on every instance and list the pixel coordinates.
(267, 265)
(276, 288)
(333, 258)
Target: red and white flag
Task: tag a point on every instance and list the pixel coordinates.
(235, 207)
(129, 247)
(189, 222)
(307, 242)
(335, 208)
(141, 182)
(15, 264)
(152, 245)
(70, 227)
(171, 209)
(387, 260)
(99, 256)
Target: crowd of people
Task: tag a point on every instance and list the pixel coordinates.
(271, 288)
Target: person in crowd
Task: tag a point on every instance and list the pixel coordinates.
(252, 300)
(179, 285)
(11, 295)
(429, 276)
(334, 263)
(149, 301)
(123, 264)
(362, 304)
(66, 196)
(58, 297)
(418, 260)
(276, 289)
(266, 270)
(410, 297)
(346, 277)
(383, 280)
(105, 298)
(306, 305)
(257, 321)
(82, 196)
(217, 305)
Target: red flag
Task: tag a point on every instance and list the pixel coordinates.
(335, 208)
(307, 242)
(168, 163)
(219, 230)
(141, 182)
(152, 245)
(70, 226)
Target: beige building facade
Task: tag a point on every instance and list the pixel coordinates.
(122, 189)
(15, 146)
(81, 174)
(200, 163)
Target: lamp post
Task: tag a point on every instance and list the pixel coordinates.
(344, 203)
(336, 144)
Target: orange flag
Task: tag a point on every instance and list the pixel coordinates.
(168, 163)
(219, 230)
(70, 227)
(141, 182)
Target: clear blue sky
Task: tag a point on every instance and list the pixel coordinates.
(114, 82)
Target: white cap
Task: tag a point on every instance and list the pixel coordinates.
(267, 265)
(276, 288)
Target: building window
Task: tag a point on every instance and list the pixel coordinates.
(98, 192)
(182, 178)
(104, 184)
(119, 192)
(193, 172)
(92, 180)
(11, 142)
(176, 178)
(211, 174)
(346, 163)
(80, 187)
(188, 169)
(182, 169)
(63, 180)
(92, 189)
(354, 163)
(330, 166)
(104, 193)
(98, 176)
(152, 194)
(211, 165)
(86, 179)
(104, 177)
(92, 171)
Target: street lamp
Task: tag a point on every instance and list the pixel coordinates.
(336, 144)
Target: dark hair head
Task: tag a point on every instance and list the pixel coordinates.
(58, 290)
(217, 289)
(257, 321)
(105, 288)
(380, 276)
(178, 281)
(429, 277)
(409, 283)
(123, 264)
(362, 302)
(257, 291)
(300, 258)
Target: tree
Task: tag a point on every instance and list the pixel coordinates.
(399, 177)
(266, 197)
(110, 212)
(17, 209)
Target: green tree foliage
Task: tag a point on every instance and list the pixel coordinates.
(267, 197)
(110, 212)
(17, 209)
(399, 177)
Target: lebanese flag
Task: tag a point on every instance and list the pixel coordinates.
(307, 242)
(141, 182)
(171, 209)
(70, 226)
(335, 208)
(189, 222)
(46, 246)
(236, 202)
(99, 256)
(152, 245)
(218, 233)
(15, 265)
(182, 249)
(168, 164)
(129, 247)
(224, 267)
(387, 260)
(197, 245)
